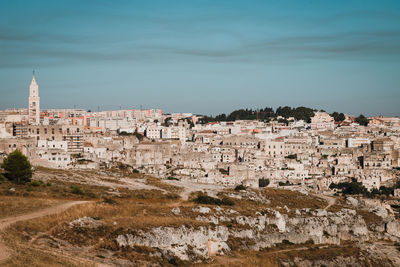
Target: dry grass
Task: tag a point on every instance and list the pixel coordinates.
(30, 256)
(292, 199)
(279, 198)
(275, 256)
(160, 184)
(11, 206)
(127, 216)
(123, 217)
(370, 217)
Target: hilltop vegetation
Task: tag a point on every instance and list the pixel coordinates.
(265, 114)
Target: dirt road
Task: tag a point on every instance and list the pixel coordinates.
(5, 222)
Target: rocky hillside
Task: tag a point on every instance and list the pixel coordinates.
(154, 226)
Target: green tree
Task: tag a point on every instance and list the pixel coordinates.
(18, 168)
(338, 116)
(262, 182)
(362, 120)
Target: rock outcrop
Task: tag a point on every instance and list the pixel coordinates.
(266, 228)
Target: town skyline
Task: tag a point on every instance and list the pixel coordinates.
(120, 107)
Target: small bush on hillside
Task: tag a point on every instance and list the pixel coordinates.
(262, 182)
(90, 194)
(171, 196)
(2, 178)
(75, 189)
(109, 200)
(135, 171)
(292, 156)
(287, 242)
(205, 199)
(227, 202)
(287, 183)
(240, 187)
(172, 178)
(36, 183)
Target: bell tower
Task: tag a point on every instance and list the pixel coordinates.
(34, 102)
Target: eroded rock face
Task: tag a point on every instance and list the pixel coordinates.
(265, 229)
(176, 211)
(393, 228)
(86, 222)
(380, 211)
(201, 209)
(352, 201)
(185, 243)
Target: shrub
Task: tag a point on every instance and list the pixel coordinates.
(285, 183)
(293, 156)
(205, 199)
(171, 196)
(109, 200)
(172, 178)
(287, 242)
(240, 187)
(2, 178)
(75, 189)
(18, 168)
(135, 171)
(350, 188)
(90, 194)
(262, 182)
(227, 201)
(36, 183)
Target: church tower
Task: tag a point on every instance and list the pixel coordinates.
(34, 102)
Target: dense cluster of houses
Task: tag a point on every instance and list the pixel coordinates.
(311, 154)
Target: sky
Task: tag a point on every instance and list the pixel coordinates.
(202, 56)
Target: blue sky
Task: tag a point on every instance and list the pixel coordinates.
(203, 56)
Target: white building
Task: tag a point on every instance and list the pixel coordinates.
(174, 132)
(154, 132)
(322, 120)
(45, 144)
(34, 102)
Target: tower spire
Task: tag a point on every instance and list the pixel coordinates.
(34, 102)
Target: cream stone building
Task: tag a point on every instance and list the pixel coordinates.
(34, 102)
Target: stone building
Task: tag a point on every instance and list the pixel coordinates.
(34, 102)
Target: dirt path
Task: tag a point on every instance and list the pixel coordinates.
(331, 200)
(190, 187)
(5, 222)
